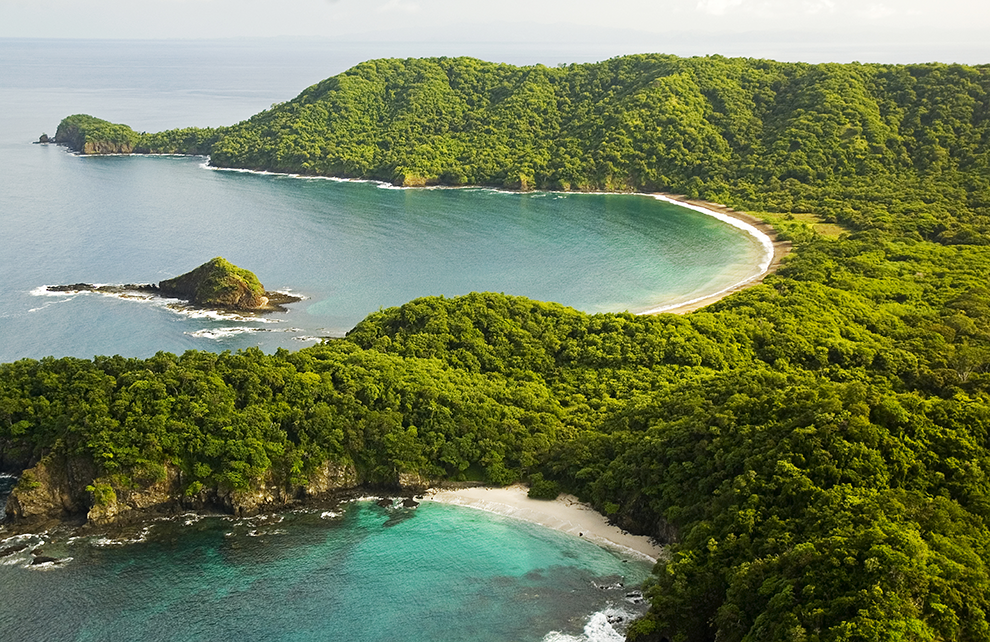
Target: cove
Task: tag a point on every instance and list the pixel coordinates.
(349, 248)
(358, 573)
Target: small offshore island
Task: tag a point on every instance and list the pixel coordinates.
(215, 285)
(812, 451)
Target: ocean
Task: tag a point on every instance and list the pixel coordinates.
(349, 249)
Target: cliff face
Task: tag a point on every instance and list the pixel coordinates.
(107, 147)
(269, 494)
(53, 490)
(111, 503)
(218, 283)
(88, 135)
(60, 489)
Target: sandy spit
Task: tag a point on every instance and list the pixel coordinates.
(565, 514)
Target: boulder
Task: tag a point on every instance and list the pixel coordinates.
(10, 550)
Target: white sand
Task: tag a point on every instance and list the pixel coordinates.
(565, 514)
(773, 250)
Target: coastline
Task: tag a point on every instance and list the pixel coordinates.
(765, 233)
(566, 514)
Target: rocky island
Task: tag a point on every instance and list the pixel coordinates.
(217, 284)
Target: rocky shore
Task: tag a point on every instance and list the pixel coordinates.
(66, 493)
(215, 285)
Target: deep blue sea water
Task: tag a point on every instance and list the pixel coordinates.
(440, 573)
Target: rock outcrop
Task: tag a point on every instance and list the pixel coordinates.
(62, 489)
(88, 135)
(10, 550)
(44, 559)
(53, 490)
(271, 495)
(111, 504)
(215, 285)
(412, 482)
(330, 477)
(218, 284)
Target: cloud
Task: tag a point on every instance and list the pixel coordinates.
(717, 7)
(399, 6)
(877, 11)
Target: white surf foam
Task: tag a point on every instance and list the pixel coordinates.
(599, 628)
(23, 536)
(226, 333)
(109, 542)
(176, 306)
(42, 290)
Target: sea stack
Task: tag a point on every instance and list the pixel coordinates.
(218, 284)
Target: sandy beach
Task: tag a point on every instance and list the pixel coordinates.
(780, 249)
(565, 514)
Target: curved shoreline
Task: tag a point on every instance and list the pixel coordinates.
(566, 514)
(774, 249)
(763, 232)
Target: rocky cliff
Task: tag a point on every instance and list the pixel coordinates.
(68, 490)
(53, 490)
(218, 283)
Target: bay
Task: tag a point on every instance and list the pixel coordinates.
(350, 248)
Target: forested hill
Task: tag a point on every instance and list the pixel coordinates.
(816, 448)
(757, 134)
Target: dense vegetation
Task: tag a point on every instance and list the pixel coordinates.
(90, 135)
(814, 448)
(884, 142)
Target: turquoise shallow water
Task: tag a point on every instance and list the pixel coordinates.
(434, 573)
(348, 247)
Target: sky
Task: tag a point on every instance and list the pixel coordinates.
(810, 30)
